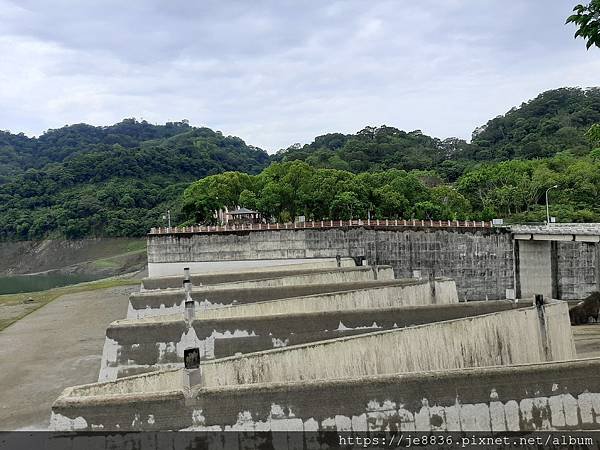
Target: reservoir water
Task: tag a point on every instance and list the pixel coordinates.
(40, 282)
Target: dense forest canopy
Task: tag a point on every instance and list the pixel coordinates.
(511, 189)
(118, 180)
(554, 121)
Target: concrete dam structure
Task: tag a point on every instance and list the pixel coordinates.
(324, 342)
(560, 261)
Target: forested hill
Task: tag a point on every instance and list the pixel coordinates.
(555, 121)
(118, 180)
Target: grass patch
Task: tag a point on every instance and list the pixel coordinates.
(42, 298)
(136, 246)
(114, 262)
(106, 263)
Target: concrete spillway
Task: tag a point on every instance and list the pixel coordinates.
(281, 349)
(135, 346)
(298, 298)
(551, 396)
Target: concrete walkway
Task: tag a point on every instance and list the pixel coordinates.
(57, 346)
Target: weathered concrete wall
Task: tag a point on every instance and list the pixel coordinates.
(135, 346)
(166, 302)
(343, 275)
(549, 396)
(251, 273)
(578, 269)
(507, 337)
(535, 268)
(503, 338)
(566, 270)
(312, 297)
(481, 261)
(405, 293)
(284, 278)
(158, 269)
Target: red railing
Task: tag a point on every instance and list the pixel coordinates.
(324, 224)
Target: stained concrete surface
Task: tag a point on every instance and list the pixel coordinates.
(57, 346)
(587, 340)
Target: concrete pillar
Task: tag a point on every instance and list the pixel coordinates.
(541, 310)
(189, 310)
(188, 303)
(597, 245)
(554, 269)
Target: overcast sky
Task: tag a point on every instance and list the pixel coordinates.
(279, 72)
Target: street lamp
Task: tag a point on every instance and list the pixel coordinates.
(547, 204)
(167, 217)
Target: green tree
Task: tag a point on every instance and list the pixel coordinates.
(247, 199)
(346, 206)
(593, 134)
(587, 20)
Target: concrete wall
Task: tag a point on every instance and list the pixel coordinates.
(159, 269)
(407, 293)
(515, 336)
(135, 346)
(316, 276)
(535, 268)
(578, 269)
(252, 273)
(550, 396)
(557, 269)
(481, 261)
(503, 338)
(304, 298)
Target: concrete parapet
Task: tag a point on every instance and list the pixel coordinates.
(300, 298)
(547, 396)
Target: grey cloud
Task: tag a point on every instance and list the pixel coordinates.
(279, 72)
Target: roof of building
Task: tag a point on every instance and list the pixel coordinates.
(242, 211)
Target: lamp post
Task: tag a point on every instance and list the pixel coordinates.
(168, 217)
(548, 205)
